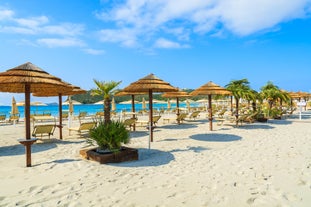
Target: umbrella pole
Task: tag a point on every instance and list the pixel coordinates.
(177, 105)
(150, 116)
(60, 116)
(210, 112)
(28, 141)
(27, 121)
(133, 110)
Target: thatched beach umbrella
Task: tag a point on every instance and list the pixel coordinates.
(177, 95)
(14, 109)
(70, 90)
(113, 105)
(210, 89)
(150, 84)
(305, 96)
(28, 78)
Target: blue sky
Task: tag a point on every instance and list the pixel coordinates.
(186, 43)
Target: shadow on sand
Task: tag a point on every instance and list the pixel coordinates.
(137, 134)
(197, 149)
(255, 126)
(148, 158)
(60, 161)
(279, 121)
(180, 126)
(19, 149)
(216, 137)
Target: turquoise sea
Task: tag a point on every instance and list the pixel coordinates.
(91, 109)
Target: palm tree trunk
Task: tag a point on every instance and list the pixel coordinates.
(236, 110)
(231, 104)
(107, 108)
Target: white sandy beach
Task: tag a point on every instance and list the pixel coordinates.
(259, 164)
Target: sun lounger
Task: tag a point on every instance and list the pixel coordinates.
(155, 120)
(220, 121)
(129, 122)
(181, 117)
(46, 129)
(221, 113)
(2, 118)
(86, 126)
(14, 118)
(65, 115)
(194, 115)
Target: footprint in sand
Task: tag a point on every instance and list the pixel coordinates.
(251, 200)
(302, 182)
(290, 197)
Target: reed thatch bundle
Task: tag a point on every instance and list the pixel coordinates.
(150, 82)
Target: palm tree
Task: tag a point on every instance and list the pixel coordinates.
(107, 90)
(253, 96)
(239, 89)
(272, 94)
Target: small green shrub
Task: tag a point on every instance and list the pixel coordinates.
(109, 136)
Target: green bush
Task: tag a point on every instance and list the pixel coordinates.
(109, 136)
(274, 113)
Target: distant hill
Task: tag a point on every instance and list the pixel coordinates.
(87, 98)
(52, 104)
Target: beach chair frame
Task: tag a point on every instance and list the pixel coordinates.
(44, 129)
(86, 126)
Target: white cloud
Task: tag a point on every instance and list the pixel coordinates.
(60, 42)
(50, 35)
(66, 29)
(6, 14)
(37, 25)
(126, 37)
(246, 17)
(17, 30)
(164, 43)
(32, 22)
(93, 51)
(146, 19)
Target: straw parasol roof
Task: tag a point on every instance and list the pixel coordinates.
(150, 84)
(302, 94)
(68, 91)
(294, 95)
(123, 93)
(177, 94)
(210, 89)
(29, 78)
(15, 79)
